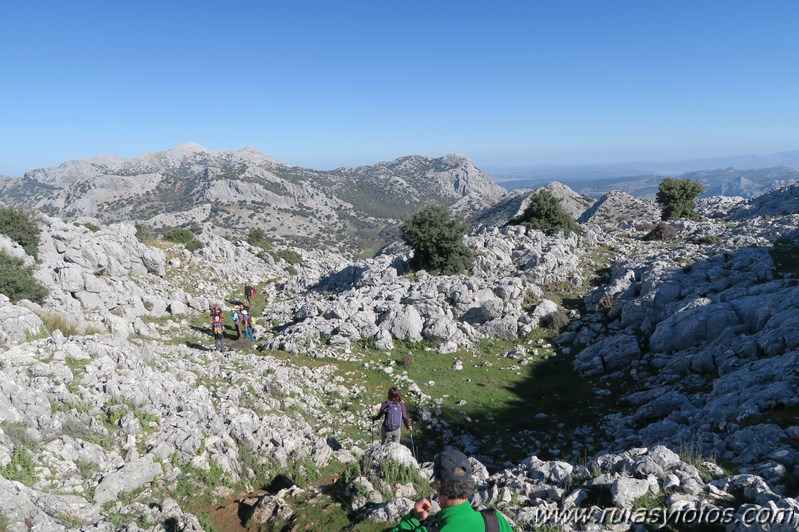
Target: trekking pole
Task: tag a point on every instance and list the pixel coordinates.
(413, 447)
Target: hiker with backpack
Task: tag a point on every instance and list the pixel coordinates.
(248, 330)
(453, 483)
(249, 295)
(218, 328)
(245, 323)
(394, 416)
(236, 317)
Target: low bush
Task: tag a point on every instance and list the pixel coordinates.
(545, 213)
(17, 281)
(21, 227)
(257, 237)
(90, 226)
(706, 240)
(292, 257)
(555, 320)
(144, 232)
(181, 235)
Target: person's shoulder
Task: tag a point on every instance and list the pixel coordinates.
(503, 521)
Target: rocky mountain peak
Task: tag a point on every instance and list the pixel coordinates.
(617, 206)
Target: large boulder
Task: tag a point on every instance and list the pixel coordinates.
(18, 323)
(404, 323)
(130, 477)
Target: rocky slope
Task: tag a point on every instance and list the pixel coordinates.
(112, 424)
(238, 190)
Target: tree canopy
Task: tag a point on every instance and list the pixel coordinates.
(436, 238)
(676, 198)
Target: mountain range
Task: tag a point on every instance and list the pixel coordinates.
(236, 190)
(353, 209)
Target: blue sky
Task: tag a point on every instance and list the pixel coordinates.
(327, 84)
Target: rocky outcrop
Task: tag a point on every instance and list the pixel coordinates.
(616, 206)
(104, 417)
(17, 323)
(361, 300)
(780, 202)
(503, 209)
(708, 333)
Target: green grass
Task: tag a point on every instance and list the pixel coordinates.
(323, 512)
(77, 365)
(21, 467)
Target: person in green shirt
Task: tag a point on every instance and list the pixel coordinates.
(452, 474)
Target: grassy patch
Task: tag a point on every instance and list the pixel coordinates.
(90, 226)
(21, 467)
(54, 321)
(322, 512)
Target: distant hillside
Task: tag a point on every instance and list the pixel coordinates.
(237, 190)
(718, 182)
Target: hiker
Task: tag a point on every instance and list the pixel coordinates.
(394, 416)
(249, 294)
(218, 330)
(248, 330)
(236, 316)
(216, 311)
(452, 480)
(245, 322)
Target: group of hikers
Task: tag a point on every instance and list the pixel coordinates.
(241, 317)
(452, 482)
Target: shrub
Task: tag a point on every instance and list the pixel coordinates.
(90, 226)
(257, 237)
(545, 213)
(437, 241)
(144, 232)
(181, 235)
(291, 257)
(676, 198)
(706, 240)
(22, 228)
(17, 281)
(555, 320)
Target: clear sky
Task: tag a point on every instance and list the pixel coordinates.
(343, 83)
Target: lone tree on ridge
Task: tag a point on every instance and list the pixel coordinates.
(676, 198)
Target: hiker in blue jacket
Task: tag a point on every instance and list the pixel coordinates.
(394, 416)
